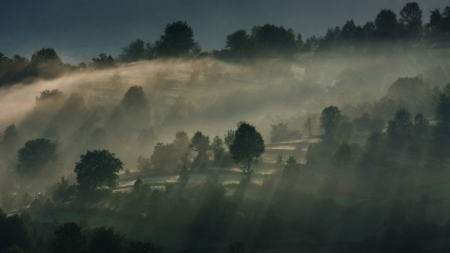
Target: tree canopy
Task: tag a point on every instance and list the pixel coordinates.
(178, 39)
(35, 155)
(97, 168)
(411, 18)
(247, 147)
(330, 119)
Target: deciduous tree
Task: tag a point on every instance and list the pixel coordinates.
(247, 147)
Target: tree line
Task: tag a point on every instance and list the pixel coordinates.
(263, 41)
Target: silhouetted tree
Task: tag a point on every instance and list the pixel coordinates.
(399, 129)
(247, 147)
(103, 61)
(369, 29)
(274, 40)
(97, 168)
(218, 150)
(178, 39)
(163, 158)
(330, 119)
(49, 94)
(135, 51)
(238, 43)
(45, 56)
(200, 143)
(35, 156)
(134, 100)
(386, 24)
(181, 146)
(411, 18)
(348, 31)
(68, 239)
(436, 24)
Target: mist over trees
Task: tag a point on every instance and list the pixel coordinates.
(342, 142)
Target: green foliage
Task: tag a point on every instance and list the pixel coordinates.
(400, 129)
(238, 43)
(134, 100)
(61, 191)
(135, 51)
(386, 24)
(68, 239)
(247, 147)
(229, 138)
(181, 146)
(413, 90)
(411, 18)
(220, 156)
(49, 94)
(200, 142)
(270, 38)
(97, 168)
(35, 156)
(163, 158)
(330, 119)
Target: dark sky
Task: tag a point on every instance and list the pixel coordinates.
(80, 29)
